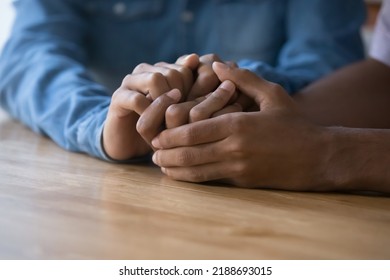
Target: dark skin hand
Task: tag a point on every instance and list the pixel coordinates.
(122, 137)
(233, 147)
(127, 131)
(278, 146)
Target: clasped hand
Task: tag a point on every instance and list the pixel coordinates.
(154, 97)
(199, 131)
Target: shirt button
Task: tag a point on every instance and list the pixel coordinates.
(187, 16)
(119, 8)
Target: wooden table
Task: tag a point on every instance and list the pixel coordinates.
(56, 204)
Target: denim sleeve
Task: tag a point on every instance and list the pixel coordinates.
(321, 36)
(44, 82)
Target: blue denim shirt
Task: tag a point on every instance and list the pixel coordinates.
(65, 58)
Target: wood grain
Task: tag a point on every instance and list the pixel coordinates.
(60, 205)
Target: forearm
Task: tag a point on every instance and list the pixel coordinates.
(44, 81)
(355, 96)
(357, 159)
(71, 113)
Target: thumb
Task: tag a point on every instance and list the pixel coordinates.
(191, 61)
(265, 94)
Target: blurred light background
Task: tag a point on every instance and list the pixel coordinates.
(6, 18)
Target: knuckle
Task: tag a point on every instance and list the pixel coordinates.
(276, 88)
(116, 94)
(116, 99)
(238, 145)
(136, 100)
(276, 92)
(208, 73)
(207, 81)
(189, 136)
(155, 78)
(240, 170)
(210, 78)
(174, 111)
(173, 75)
(233, 123)
(186, 72)
(238, 123)
(140, 67)
(197, 113)
(180, 68)
(185, 158)
(160, 63)
(126, 79)
(195, 175)
(181, 58)
(237, 148)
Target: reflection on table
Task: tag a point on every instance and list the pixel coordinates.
(56, 204)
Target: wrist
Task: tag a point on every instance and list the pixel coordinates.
(333, 140)
(352, 159)
(321, 177)
(337, 158)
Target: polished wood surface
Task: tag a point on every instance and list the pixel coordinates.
(60, 205)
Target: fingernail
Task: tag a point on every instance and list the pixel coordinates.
(228, 86)
(163, 170)
(156, 143)
(220, 65)
(174, 94)
(154, 158)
